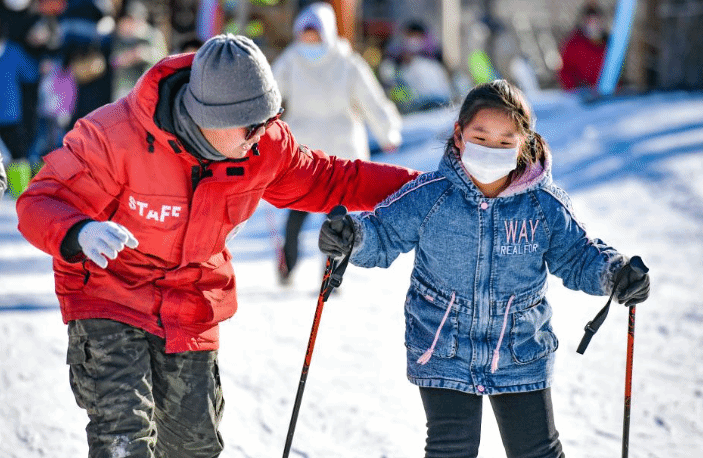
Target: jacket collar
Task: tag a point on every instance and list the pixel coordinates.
(155, 86)
(536, 176)
(168, 88)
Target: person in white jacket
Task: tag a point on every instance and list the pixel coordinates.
(331, 95)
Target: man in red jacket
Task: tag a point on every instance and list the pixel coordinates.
(135, 208)
(584, 51)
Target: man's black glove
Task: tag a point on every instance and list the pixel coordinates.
(632, 283)
(337, 237)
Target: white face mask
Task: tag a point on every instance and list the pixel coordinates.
(593, 29)
(312, 51)
(487, 164)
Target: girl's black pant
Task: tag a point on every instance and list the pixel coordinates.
(525, 421)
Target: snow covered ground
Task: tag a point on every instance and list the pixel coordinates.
(634, 168)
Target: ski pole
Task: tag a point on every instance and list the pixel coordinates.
(638, 266)
(331, 279)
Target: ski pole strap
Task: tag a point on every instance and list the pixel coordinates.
(338, 272)
(335, 278)
(595, 324)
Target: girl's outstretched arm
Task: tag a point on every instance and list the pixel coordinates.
(395, 226)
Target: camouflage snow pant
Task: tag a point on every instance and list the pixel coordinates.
(141, 401)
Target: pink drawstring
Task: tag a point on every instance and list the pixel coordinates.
(496, 352)
(428, 354)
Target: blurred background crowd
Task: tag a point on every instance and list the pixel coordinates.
(60, 59)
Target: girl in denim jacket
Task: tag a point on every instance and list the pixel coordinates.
(486, 227)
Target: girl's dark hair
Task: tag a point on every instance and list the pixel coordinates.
(504, 96)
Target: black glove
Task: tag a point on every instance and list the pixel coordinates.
(631, 284)
(337, 237)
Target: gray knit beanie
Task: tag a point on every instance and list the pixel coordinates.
(231, 84)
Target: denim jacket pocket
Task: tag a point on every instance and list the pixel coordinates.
(531, 336)
(423, 315)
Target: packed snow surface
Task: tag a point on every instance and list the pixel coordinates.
(634, 169)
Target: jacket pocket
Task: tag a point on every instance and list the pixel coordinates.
(79, 378)
(76, 353)
(86, 193)
(158, 222)
(531, 336)
(423, 315)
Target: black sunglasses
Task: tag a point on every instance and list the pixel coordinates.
(251, 130)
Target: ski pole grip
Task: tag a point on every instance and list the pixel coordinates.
(638, 266)
(337, 213)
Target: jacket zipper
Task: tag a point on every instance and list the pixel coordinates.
(197, 172)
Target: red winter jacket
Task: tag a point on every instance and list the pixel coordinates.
(582, 60)
(117, 164)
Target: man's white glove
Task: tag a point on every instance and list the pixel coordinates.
(101, 240)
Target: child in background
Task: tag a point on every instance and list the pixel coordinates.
(414, 72)
(58, 92)
(487, 227)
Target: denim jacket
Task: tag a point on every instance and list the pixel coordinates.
(478, 285)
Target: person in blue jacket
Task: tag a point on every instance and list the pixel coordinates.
(487, 227)
(17, 68)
